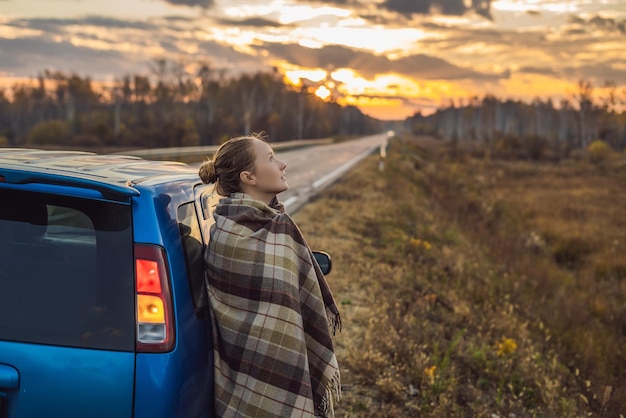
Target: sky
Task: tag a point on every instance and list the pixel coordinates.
(391, 58)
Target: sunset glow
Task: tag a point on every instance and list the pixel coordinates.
(389, 60)
(295, 76)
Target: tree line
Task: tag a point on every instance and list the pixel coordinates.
(169, 107)
(534, 129)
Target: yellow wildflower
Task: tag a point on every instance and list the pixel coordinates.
(419, 244)
(506, 346)
(430, 372)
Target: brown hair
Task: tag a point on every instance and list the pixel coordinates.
(230, 159)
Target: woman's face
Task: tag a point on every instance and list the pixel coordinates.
(268, 170)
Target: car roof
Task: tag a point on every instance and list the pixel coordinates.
(108, 173)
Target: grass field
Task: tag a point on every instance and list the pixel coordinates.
(475, 287)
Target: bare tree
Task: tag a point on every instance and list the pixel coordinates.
(585, 107)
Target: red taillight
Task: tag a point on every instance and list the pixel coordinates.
(148, 280)
(155, 330)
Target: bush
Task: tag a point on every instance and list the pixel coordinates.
(4, 141)
(508, 147)
(50, 132)
(102, 132)
(536, 147)
(599, 152)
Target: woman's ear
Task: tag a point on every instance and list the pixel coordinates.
(247, 177)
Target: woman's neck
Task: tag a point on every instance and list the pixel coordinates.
(256, 195)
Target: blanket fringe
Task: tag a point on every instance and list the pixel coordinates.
(332, 395)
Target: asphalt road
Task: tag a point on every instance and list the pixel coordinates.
(311, 169)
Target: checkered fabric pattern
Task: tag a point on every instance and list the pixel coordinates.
(273, 315)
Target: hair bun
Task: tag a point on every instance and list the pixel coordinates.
(207, 172)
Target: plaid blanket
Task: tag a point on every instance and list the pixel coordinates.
(272, 315)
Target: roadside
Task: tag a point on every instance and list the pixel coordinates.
(438, 323)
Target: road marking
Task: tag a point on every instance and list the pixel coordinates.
(345, 167)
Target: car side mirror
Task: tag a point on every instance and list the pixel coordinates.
(324, 261)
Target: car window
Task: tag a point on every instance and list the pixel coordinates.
(194, 257)
(66, 271)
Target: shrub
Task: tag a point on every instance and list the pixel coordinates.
(508, 147)
(50, 132)
(4, 141)
(536, 147)
(599, 152)
(102, 132)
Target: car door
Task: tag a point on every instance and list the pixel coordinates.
(67, 335)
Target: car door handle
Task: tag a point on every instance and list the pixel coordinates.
(9, 377)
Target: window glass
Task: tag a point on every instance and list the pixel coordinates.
(66, 271)
(194, 257)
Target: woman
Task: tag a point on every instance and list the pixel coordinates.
(272, 311)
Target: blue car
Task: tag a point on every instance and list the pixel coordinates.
(103, 308)
(103, 304)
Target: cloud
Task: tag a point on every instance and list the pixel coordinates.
(60, 25)
(576, 31)
(258, 22)
(337, 2)
(453, 37)
(226, 57)
(205, 4)
(538, 70)
(597, 73)
(184, 19)
(547, 52)
(445, 7)
(335, 56)
(113, 47)
(31, 56)
(408, 8)
(605, 24)
(28, 57)
(432, 68)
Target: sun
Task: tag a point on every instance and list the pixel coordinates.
(322, 92)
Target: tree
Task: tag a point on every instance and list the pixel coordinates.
(167, 107)
(585, 108)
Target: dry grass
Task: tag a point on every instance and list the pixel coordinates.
(476, 288)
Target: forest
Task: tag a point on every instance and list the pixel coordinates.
(169, 107)
(534, 130)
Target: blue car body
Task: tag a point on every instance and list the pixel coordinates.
(103, 309)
